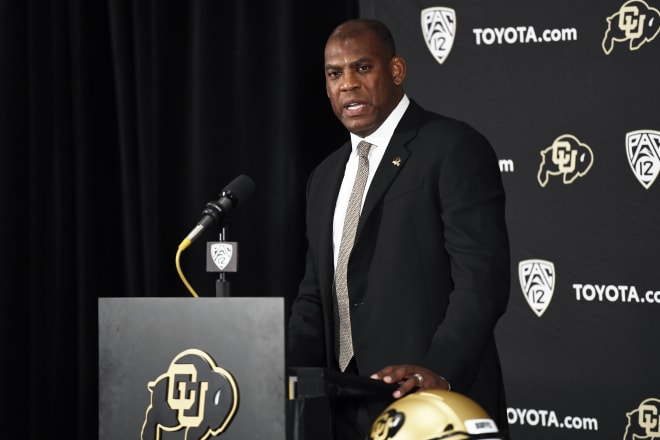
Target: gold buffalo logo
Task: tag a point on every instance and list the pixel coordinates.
(644, 421)
(194, 398)
(636, 22)
(387, 425)
(566, 157)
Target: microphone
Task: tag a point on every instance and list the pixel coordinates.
(215, 212)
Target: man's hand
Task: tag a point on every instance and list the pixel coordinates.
(410, 377)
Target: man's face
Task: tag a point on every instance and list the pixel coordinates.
(362, 81)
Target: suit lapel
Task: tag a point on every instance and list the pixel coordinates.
(394, 160)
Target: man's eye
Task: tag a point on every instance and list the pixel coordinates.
(333, 74)
(364, 68)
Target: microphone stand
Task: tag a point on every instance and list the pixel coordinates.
(222, 285)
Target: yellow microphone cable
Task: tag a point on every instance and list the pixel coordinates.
(182, 246)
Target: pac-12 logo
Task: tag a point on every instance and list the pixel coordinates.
(566, 157)
(643, 153)
(195, 399)
(644, 421)
(439, 30)
(221, 256)
(635, 22)
(537, 281)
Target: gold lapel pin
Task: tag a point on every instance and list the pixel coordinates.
(397, 161)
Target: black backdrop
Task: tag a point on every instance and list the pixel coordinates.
(544, 80)
(120, 119)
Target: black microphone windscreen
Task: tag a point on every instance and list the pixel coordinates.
(239, 188)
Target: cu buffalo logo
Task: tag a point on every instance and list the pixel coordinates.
(387, 425)
(566, 157)
(635, 22)
(644, 421)
(195, 399)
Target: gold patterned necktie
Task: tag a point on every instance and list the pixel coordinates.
(347, 240)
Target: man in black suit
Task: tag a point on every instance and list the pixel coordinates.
(429, 272)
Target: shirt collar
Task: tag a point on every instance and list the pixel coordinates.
(381, 137)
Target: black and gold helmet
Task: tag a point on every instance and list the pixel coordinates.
(434, 415)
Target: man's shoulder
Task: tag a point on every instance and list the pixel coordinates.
(429, 119)
(423, 113)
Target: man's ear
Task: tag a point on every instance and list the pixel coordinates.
(398, 69)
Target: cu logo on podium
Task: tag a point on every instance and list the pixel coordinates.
(194, 400)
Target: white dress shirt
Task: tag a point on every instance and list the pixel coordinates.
(379, 139)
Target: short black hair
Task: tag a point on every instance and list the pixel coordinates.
(360, 25)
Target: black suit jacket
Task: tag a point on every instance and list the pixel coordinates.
(429, 272)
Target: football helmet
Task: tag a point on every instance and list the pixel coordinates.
(434, 415)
